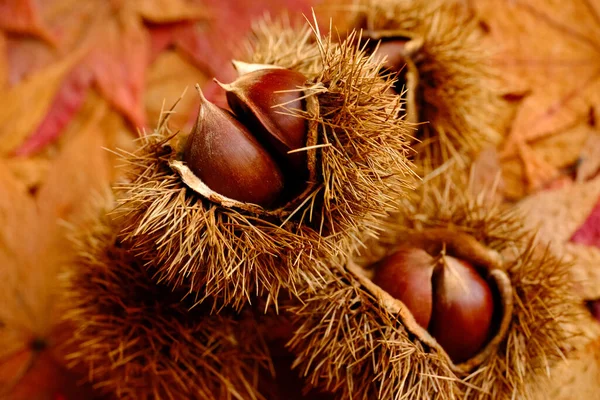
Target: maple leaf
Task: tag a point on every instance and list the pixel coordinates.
(116, 45)
(123, 37)
(33, 248)
(589, 232)
(24, 106)
(22, 16)
(557, 216)
(553, 48)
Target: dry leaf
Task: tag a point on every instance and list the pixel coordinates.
(557, 215)
(24, 106)
(552, 48)
(26, 56)
(167, 78)
(589, 232)
(66, 103)
(578, 377)
(33, 247)
(3, 63)
(486, 175)
(22, 16)
(589, 166)
(165, 11)
(116, 63)
(30, 171)
(119, 63)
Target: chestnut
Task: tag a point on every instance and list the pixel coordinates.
(405, 275)
(223, 153)
(447, 296)
(463, 307)
(259, 99)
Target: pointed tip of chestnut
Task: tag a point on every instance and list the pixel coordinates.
(229, 160)
(260, 98)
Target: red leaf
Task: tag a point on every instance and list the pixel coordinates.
(119, 66)
(21, 16)
(589, 233)
(65, 105)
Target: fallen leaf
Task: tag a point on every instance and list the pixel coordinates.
(3, 63)
(486, 175)
(24, 106)
(556, 215)
(116, 63)
(589, 161)
(33, 248)
(66, 103)
(589, 232)
(22, 16)
(554, 48)
(538, 172)
(165, 11)
(167, 79)
(576, 377)
(26, 56)
(119, 63)
(31, 171)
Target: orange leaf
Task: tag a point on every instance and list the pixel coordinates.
(589, 232)
(3, 62)
(81, 172)
(165, 11)
(119, 65)
(65, 105)
(167, 79)
(21, 16)
(26, 56)
(24, 106)
(553, 47)
(556, 215)
(590, 159)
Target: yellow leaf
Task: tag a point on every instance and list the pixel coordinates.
(169, 75)
(164, 11)
(24, 106)
(3, 63)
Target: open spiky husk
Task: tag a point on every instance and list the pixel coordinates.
(230, 254)
(452, 87)
(139, 340)
(348, 340)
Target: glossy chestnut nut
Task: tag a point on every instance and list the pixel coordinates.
(463, 307)
(448, 297)
(406, 275)
(223, 153)
(259, 99)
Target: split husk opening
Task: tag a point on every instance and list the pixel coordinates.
(229, 252)
(464, 246)
(352, 332)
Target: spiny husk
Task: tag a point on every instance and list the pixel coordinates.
(232, 253)
(452, 87)
(350, 342)
(140, 340)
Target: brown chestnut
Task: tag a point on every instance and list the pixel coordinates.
(463, 307)
(260, 98)
(447, 296)
(406, 275)
(230, 160)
